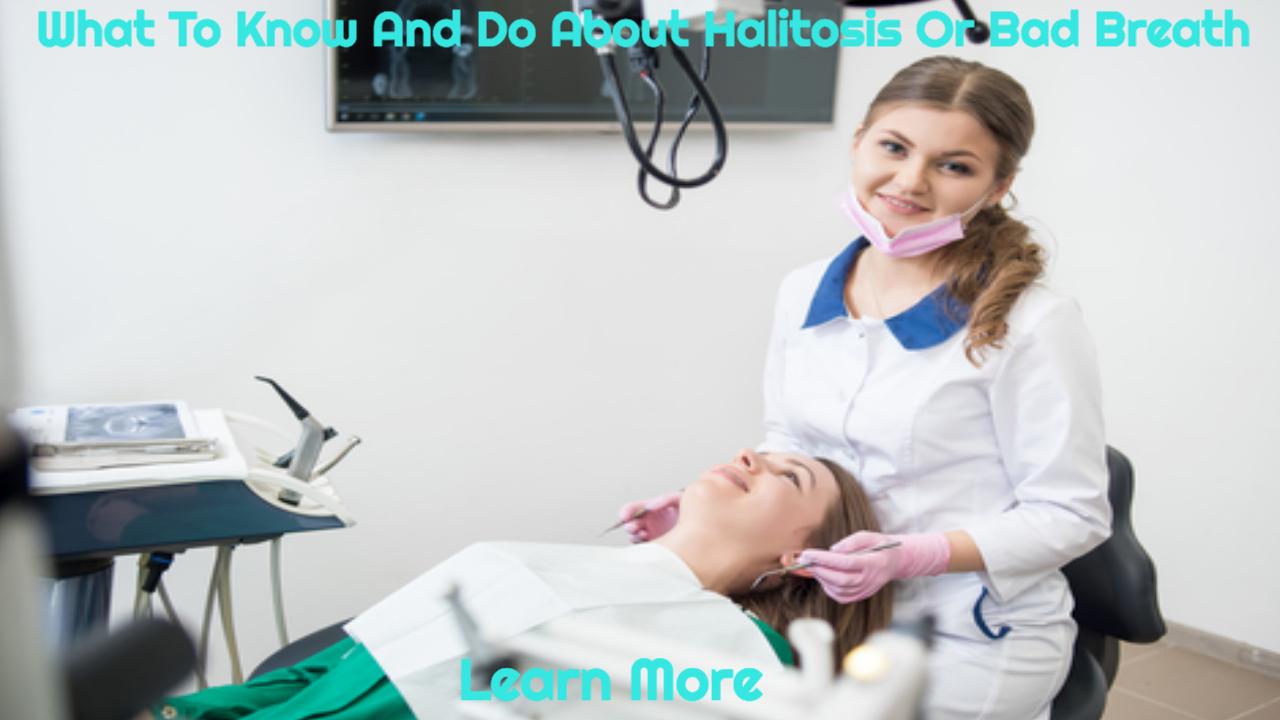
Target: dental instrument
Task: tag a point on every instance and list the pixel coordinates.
(801, 565)
(634, 516)
(352, 442)
(661, 502)
(307, 451)
(283, 461)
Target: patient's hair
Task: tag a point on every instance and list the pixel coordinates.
(795, 597)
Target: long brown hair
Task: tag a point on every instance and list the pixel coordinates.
(794, 597)
(997, 259)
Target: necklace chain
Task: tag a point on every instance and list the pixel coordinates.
(875, 294)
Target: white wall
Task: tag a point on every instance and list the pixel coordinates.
(524, 345)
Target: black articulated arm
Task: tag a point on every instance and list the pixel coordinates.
(978, 33)
(643, 63)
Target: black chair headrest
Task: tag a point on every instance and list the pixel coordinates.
(1115, 584)
(13, 466)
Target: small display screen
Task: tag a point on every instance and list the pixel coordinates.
(108, 423)
(429, 86)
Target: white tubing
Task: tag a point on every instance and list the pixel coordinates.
(318, 499)
(168, 604)
(245, 419)
(262, 455)
(202, 650)
(277, 594)
(228, 622)
(139, 597)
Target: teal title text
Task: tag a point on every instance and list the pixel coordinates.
(651, 679)
(779, 27)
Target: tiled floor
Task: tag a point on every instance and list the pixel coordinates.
(1162, 682)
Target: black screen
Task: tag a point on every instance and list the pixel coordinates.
(438, 85)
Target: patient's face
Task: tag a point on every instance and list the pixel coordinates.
(770, 503)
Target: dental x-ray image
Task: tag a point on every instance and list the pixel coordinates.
(108, 423)
(431, 71)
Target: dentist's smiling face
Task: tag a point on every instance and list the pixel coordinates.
(915, 164)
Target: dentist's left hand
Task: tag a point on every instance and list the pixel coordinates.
(663, 511)
(849, 578)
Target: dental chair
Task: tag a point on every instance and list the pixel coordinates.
(1114, 588)
(1115, 592)
(301, 649)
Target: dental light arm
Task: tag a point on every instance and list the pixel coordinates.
(644, 61)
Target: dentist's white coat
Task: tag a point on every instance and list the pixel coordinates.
(1013, 452)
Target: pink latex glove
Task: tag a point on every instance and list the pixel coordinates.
(663, 511)
(850, 578)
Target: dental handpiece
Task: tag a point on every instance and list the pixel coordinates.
(352, 441)
(888, 545)
(285, 459)
(307, 452)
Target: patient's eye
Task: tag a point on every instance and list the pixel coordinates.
(794, 478)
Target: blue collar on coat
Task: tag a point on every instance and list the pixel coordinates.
(919, 327)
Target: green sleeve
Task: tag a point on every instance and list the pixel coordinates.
(341, 682)
(779, 644)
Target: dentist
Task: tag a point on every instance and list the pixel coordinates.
(961, 392)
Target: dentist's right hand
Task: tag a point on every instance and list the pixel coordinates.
(661, 517)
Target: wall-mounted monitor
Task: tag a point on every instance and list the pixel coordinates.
(544, 87)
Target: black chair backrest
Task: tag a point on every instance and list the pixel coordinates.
(1115, 584)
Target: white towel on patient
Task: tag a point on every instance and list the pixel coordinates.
(510, 588)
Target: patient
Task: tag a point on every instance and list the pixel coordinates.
(692, 585)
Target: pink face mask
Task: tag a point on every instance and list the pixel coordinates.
(912, 241)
